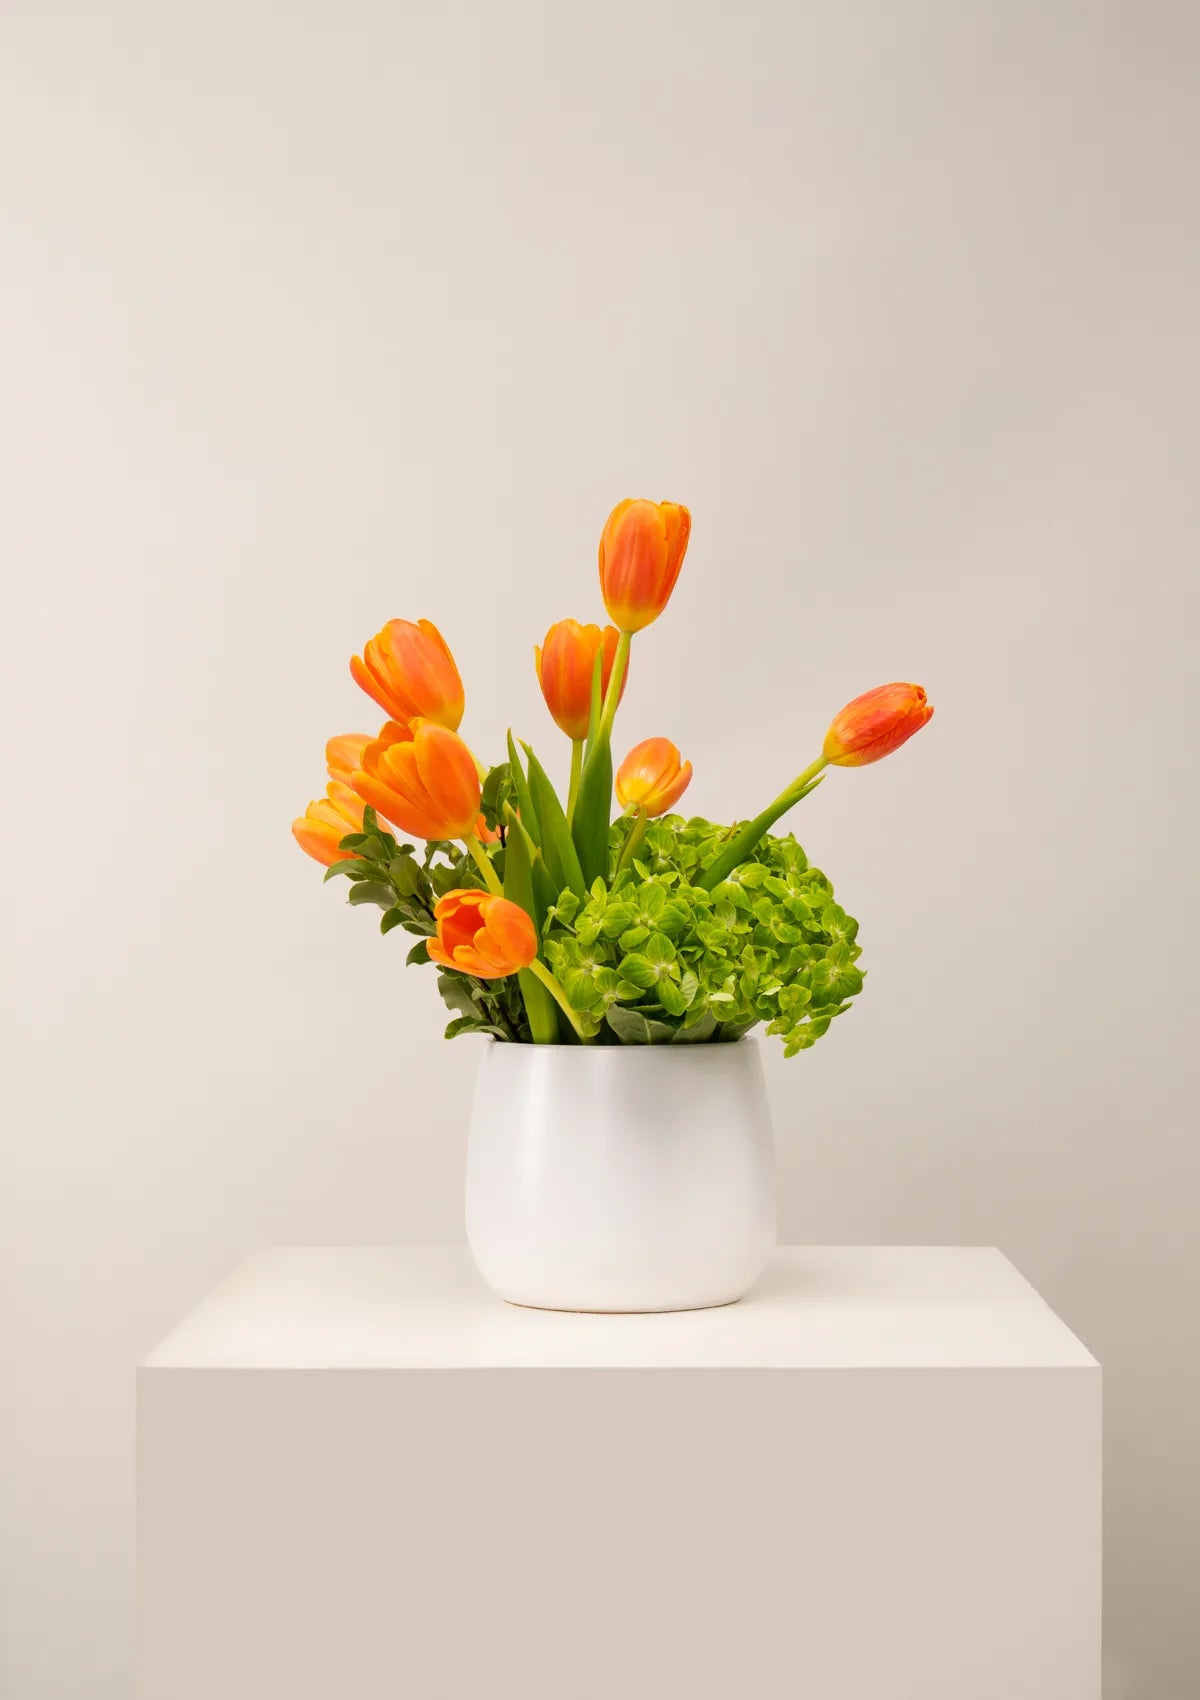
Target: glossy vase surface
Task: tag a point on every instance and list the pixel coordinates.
(620, 1178)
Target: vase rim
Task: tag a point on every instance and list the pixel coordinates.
(693, 1047)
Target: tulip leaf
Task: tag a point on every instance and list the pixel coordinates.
(593, 807)
(557, 845)
(518, 888)
(739, 847)
(523, 794)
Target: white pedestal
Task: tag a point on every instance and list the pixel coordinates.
(362, 1477)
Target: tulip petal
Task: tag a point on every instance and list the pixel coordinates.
(448, 774)
(344, 754)
(395, 808)
(317, 839)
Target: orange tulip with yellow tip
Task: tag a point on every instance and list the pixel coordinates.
(652, 778)
(641, 551)
(565, 662)
(481, 934)
(875, 724)
(409, 671)
(428, 785)
(325, 822)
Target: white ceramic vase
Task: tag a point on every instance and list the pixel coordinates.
(621, 1178)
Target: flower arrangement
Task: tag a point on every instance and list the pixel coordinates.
(550, 921)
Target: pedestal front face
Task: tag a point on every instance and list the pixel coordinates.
(877, 1478)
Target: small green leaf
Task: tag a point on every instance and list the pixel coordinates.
(496, 793)
(393, 918)
(566, 907)
(465, 1024)
(633, 1028)
(406, 874)
(697, 1032)
(458, 993)
(640, 971)
(418, 954)
(352, 867)
(371, 891)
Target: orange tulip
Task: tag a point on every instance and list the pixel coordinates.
(564, 669)
(483, 935)
(343, 755)
(323, 825)
(875, 724)
(652, 778)
(428, 784)
(641, 551)
(409, 671)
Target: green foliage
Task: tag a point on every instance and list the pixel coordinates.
(519, 857)
(593, 805)
(555, 840)
(659, 960)
(498, 791)
(652, 959)
(406, 887)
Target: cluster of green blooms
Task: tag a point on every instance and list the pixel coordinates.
(657, 959)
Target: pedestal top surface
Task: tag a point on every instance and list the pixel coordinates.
(817, 1307)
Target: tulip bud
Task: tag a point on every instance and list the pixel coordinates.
(652, 779)
(323, 825)
(484, 935)
(428, 785)
(409, 671)
(641, 551)
(564, 668)
(875, 724)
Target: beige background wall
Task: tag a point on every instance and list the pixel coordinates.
(313, 315)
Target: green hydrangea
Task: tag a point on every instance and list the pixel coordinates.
(658, 960)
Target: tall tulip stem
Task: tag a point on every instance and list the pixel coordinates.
(576, 770)
(615, 680)
(485, 864)
(540, 970)
(740, 847)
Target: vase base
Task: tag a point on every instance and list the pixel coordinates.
(624, 1310)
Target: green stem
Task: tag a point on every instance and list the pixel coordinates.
(633, 843)
(485, 864)
(615, 679)
(560, 997)
(740, 847)
(576, 770)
